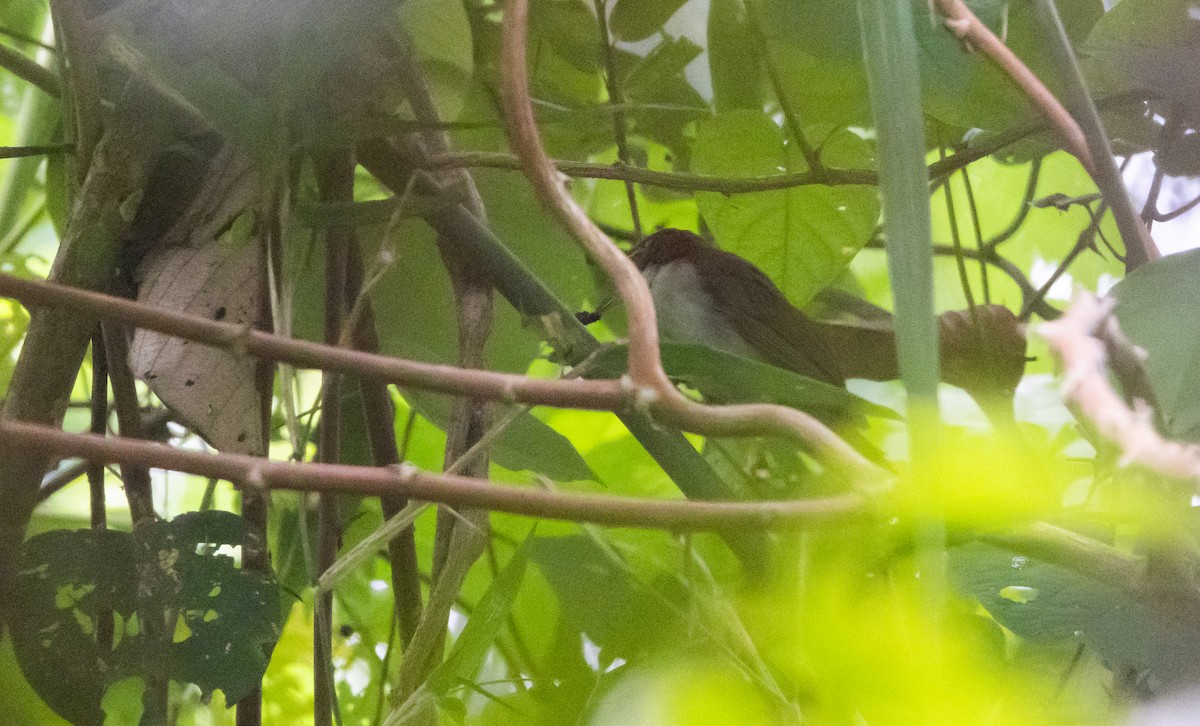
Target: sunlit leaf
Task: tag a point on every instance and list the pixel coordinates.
(72, 581)
(1150, 301)
(802, 237)
(639, 19)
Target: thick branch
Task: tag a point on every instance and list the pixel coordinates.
(457, 491)
(599, 395)
(749, 420)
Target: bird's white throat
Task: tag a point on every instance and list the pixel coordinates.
(685, 309)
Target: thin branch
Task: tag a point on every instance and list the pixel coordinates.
(30, 70)
(976, 36)
(1075, 552)
(1086, 239)
(454, 490)
(790, 117)
(129, 422)
(664, 179)
(1035, 172)
(1029, 293)
(99, 427)
(653, 389)
(977, 230)
(19, 152)
(616, 99)
(1139, 245)
(335, 181)
(960, 264)
(823, 176)
(1176, 213)
(380, 417)
(596, 395)
(618, 395)
(1165, 137)
(154, 423)
(98, 505)
(1075, 338)
(25, 39)
(79, 51)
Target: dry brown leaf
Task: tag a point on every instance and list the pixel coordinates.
(210, 389)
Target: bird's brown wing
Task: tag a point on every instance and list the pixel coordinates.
(782, 335)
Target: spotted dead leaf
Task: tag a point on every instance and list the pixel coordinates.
(210, 389)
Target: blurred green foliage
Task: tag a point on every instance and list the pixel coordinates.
(563, 623)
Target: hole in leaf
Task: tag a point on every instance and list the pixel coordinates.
(182, 631)
(1019, 593)
(68, 596)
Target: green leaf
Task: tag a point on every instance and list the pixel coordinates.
(1047, 604)
(803, 237)
(66, 581)
(890, 52)
(664, 104)
(527, 443)
(666, 60)
(1150, 301)
(232, 614)
(489, 617)
(734, 60)
(570, 28)
(601, 598)
(817, 48)
(1150, 46)
(441, 36)
(639, 19)
(729, 378)
(69, 581)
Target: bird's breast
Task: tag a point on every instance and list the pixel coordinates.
(685, 310)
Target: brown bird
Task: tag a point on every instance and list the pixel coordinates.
(708, 296)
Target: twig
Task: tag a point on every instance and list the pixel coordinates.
(977, 229)
(335, 182)
(1139, 245)
(1175, 213)
(1075, 338)
(79, 51)
(653, 389)
(454, 490)
(976, 36)
(1085, 240)
(1165, 137)
(26, 39)
(129, 422)
(380, 417)
(98, 426)
(960, 264)
(1076, 552)
(30, 70)
(616, 99)
(598, 395)
(154, 423)
(20, 152)
(811, 156)
(617, 395)
(1035, 172)
(664, 179)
